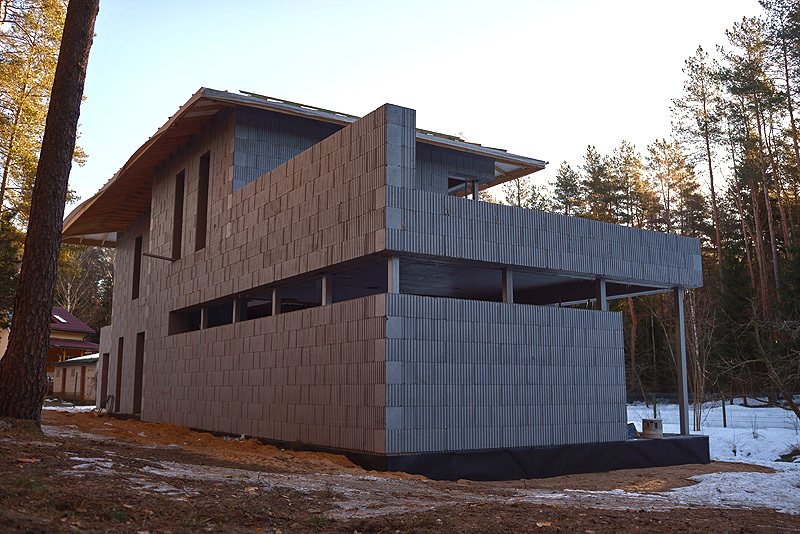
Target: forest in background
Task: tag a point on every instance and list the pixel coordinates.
(30, 37)
(728, 175)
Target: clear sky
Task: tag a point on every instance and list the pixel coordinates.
(539, 78)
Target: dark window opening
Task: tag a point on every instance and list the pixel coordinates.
(184, 321)
(202, 202)
(137, 268)
(138, 373)
(118, 384)
(104, 377)
(257, 306)
(177, 224)
(300, 296)
(219, 314)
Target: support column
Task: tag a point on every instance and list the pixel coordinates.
(475, 190)
(508, 285)
(327, 289)
(601, 299)
(204, 317)
(394, 274)
(680, 347)
(276, 301)
(239, 310)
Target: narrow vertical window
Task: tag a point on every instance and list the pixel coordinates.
(177, 224)
(104, 377)
(118, 385)
(137, 267)
(202, 202)
(138, 373)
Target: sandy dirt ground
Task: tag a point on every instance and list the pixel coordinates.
(89, 473)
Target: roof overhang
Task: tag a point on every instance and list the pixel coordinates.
(126, 196)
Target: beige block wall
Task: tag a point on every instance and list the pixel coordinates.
(73, 373)
(323, 207)
(128, 316)
(311, 376)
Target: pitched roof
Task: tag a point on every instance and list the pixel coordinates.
(126, 196)
(63, 321)
(73, 344)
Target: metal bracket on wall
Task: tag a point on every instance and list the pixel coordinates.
(156, 256)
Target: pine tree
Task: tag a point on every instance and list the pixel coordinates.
(10, 255)
(524, 193)
(23, 370)
(670, 173)
(698, 115)
(600, 193)
(28, 52)
(566, 191)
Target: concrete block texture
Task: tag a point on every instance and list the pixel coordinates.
(533, 377)
(287, 385)
(494, 233)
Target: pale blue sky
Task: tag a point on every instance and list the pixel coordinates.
(540, 79)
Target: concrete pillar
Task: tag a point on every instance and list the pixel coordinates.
(601, 298)
(327, 289)
(203, 317)
(239, 310)
(276, 301)
(394, 274)
(680, 347)
(475, 189)
(508, 285)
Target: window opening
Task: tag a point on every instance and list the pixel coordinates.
(137, 268)
(118, 388)
(219, 314)
(138, 373)
(177, 224)
(185, 321)
(256, 306)
(202, 202)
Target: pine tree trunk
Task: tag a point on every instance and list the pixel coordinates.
(789, 106)
(714, 210)
(772, 243)
(762, 133)
(745, 232)
(778, 189)
(759, 246)
(23, 370)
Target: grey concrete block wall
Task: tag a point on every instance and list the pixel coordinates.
(464, 375)
(437, 225)
(435, 164)
(266, 139)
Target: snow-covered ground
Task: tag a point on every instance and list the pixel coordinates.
(65, 406)
(752, 435)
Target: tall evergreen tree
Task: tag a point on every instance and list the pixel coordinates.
(28, 51)
(23, 370)
(566, 191)
(698, 114)
(601, 194)
(10, 255)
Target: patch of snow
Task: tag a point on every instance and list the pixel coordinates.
(69, 408)
(754, 435)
